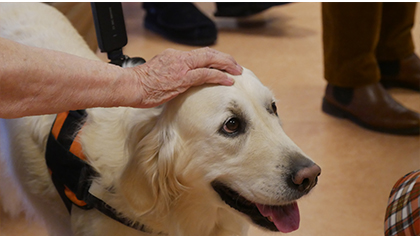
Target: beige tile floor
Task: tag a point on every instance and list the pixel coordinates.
(359, 167)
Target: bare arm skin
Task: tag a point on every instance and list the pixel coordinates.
(35, 81)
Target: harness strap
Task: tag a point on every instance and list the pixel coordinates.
(72, 175)
(68, 169)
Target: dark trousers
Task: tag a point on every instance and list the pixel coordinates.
(357, 35)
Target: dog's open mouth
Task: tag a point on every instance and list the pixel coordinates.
(284, 218)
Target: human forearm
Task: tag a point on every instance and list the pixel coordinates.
(37, 81)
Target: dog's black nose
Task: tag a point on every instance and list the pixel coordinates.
(306, 178)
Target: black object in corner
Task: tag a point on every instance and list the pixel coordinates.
(110, 29)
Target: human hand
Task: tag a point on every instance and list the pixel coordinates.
(172, 72)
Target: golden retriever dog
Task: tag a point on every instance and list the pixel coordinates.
(207, 163)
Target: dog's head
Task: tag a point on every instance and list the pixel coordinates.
(225, 146)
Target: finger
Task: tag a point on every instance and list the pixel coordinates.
(212, 76)
(210, 58)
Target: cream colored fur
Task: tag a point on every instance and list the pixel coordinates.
(159, 161)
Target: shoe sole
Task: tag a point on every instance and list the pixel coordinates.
(335, 111)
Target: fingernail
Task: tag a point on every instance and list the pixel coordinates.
(239, 68)
(230, 81)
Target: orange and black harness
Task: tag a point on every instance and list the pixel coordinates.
(71, 174)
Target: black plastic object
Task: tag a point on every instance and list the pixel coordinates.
(110, 28)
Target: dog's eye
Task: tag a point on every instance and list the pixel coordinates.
(232, 126)
(274, 107)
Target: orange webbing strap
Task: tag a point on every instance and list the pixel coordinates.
(66, 160)
(72, 196)
(76, 147)
(58, 123)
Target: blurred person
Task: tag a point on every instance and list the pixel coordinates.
(369, 46)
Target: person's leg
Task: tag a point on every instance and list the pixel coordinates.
(399, 65)
(351, 34)
(395, 42)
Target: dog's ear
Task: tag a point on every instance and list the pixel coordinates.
(149, 182)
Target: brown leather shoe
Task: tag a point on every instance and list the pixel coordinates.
(371, 107)
(402, 74)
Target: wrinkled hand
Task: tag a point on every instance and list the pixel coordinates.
(172, 72)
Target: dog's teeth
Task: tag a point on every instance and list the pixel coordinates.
(270, 219)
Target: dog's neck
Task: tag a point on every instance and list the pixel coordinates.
(117, 129)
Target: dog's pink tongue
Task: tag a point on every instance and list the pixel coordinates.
(286, 218)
